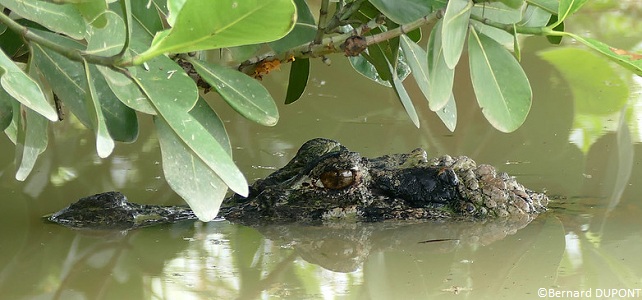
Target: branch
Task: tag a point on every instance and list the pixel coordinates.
(334, 44)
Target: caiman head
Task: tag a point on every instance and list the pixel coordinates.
(326, 181)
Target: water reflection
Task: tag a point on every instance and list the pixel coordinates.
(352, 259)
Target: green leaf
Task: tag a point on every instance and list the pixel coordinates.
(243, 93)
(401, 92)
(441, 76)
(92, 11)
(32, 136)
(367, 69)
(127, 91)
(228, 23)
(24, 89)
(63, 18)
(12, 43)
(120, 120)
(66, 77)
(108, 40)
(550, 6)
(403, 11)
(15, 128)
(34, 143)
(415, 35)
(502, 37)
(629, 60)
(185, 172)
(567, 8)
(173, 9)
(68, 80)
(6, 112)
(498, 12)
(448, 114)
(304, 30)
(298, 79)
(374, 63)
(502, 89)
(516, 48)
(534, 17)
(513, 3)
(147, 16)
(236, 55)
(173, 94)
(555, 39)
(376, 57)
(453, 30)
(597, 88)
(104, 142)
(416, 57)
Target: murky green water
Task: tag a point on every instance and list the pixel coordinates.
(589, 241)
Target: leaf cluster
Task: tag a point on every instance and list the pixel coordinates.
(107, 63)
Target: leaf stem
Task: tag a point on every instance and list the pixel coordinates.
(511, 28)
(323, 17)
(125, 5)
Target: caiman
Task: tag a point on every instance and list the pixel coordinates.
(325, 182)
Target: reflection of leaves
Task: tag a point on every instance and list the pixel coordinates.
(624, 162)
(538, 261)
(627, 60)
(597, 88)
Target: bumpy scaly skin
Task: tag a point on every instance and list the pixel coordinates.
(398, 186)
(111, 210)
(325, 182)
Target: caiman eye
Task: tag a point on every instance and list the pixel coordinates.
(337, 179)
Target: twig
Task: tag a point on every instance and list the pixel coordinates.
(323, 15)
(333, 44)
(511, 28)
(340, 17)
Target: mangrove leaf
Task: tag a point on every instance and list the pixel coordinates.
(23, 88)
(227, 23)
(502, 89)
(453, 30)
(242, 92)
(298, 79)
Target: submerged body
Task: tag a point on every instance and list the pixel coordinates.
(325, 181)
